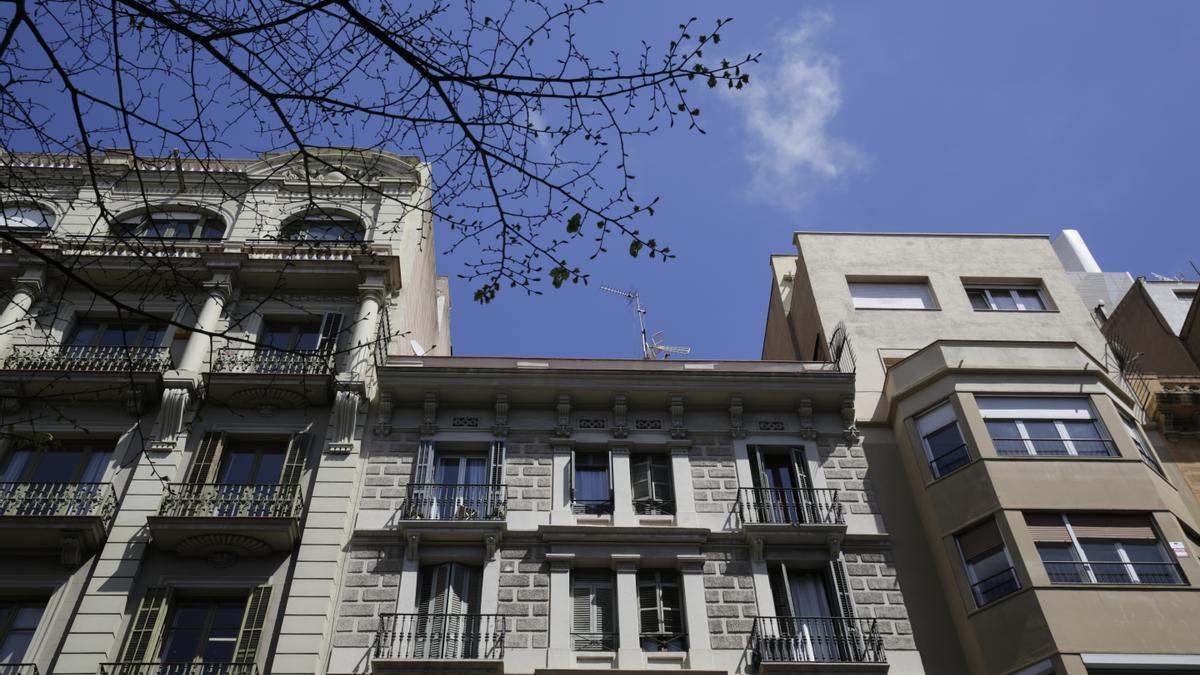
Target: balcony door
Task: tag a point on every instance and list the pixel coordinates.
(246, 476)
(18, 624)
(807, 619)
(112, 336)
(59, 478)
(199, 634)
(460, 490)
(457, 483)
(784, 491)
(298, 347)
(447, 623)
(203, 632)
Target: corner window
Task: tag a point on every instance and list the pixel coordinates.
(989, 569)
(945, 449)
(1045, 427)
(318, 227)
(171, 225)
(1101, 549)
(891, 295)
(1007, 298)
(26, 219)
(1140, 442)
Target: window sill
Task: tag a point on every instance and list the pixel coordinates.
(665, 519)
(897, 309)
(1016, 311)
(1122, 587)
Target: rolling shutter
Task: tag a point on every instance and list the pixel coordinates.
(1047, 527)
(1114, 526)
(979, 540)
(297, 458)
(207, 458)
(255, 617)
(144, 632)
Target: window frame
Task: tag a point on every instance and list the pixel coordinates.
(103, 324)
(1029, 442)
(653, 503)
(946, 405)
(1130, 566)
(1142, 443)
(140, 225)
(1014, 294)
(591, 579)
(927, 297)
(15, 605)
(212, 605)
(91, 448)
(660, 579)
(297, 229)
(969, 568)
(48, 218)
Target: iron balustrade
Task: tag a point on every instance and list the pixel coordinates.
(463, 501)
(654, 507)
(597, 507)
(441, 636)
(1114, 572)
(89, 359)
(320, 250)
(268, 361)
(19, 669)
(950, 460)
(1055, 447)
(178, 668)
(231, 500)
(817, 640)
(58, 499)
(996, 586)
(594, 642)
(664, 642)
(789, 506)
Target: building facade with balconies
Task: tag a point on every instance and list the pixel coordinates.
(1030, 515)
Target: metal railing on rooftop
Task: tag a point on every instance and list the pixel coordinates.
(231, 500)
(789, 506)
(440, 636)
(57, 499)
(94, 359)
(806, 639)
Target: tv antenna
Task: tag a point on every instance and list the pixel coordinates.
(652, 346)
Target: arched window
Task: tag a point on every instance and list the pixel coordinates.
(171, 225)
(322, 227)
(27, 218)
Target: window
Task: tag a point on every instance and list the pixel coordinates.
(447, 625)
(457, 484)
(989, 569)
(317, 227)
(891, 295)
(1101, 549)
(591, 482)
(1007, 299)
(594, 622)
(1045, 427)
(945, 449)
(782, 492)
(298, 347)
(171, 225)
(58, 478)
(26, 219)
(1185, 294)
(18, 623)
(659, 611)
(814, 618)
(209, 628)
(1140, 442)
(240, 478)
(92, 335)
(650, 475)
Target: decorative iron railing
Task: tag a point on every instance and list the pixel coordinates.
(949, 461)
(664, 642)
(441, 636)
(592, 506)
(175, 668)
(93, 359)
(306, 249)
(1055, 447)
(654, 507)
(817, 639)
(58, 499)
(996, 586)
(789, 506)
(19, 669)
(466, 501)
(594, 642)
(841, 350)
(267, 361)
(231, 500)
(1114, 572)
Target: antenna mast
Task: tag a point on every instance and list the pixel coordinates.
(652, 346)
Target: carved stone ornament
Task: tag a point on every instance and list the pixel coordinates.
(256, 398)
(850, 431)
(170, 418)
(345, 420)
(490, 542)
(429, 415)
(620, 427)
(412, 546)
(71, 549)
(563, 409)
(805, 411)
(677, 429)
(227, 543)
(736, 411)
(383, 415)
(500, 428)
(756, 549)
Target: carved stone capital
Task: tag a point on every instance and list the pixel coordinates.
(500, 427)
(429, 415)
(560, 562)
(562, 409)
(736, 411)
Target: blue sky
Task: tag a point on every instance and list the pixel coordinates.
(900, 116)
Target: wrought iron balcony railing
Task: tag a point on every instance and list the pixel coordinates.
(789, 506)
(664, 642)
(594, 642)
(19, 669)
(58, 499)
(998, 585)
(175, 668)
(654, 507)
(466, 501)
(1114, 572)
(596, 507)
(231, 500)
(307, 249)
(817, 640)
(89, 359)
(1055, 447)
(950, 460)
(265, 361)
(441, 636)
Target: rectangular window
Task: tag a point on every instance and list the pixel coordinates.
(448, 623)
(107, 335)
(1101, 549)
(1143, 445)
(18, 623)
(891, 295)
(945, 449)
(1045, 427)
(594, 622)
(1007, 298)
(591, 485)
(986, 560)
(224, 627)
(650, 476)
(660, 611)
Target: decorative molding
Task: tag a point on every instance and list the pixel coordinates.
(620, 412)
(10, 400)
(677, 428)
(464, 421)
(736, 411)
(625, 562)
(383, 415)
(490, 542)
(648, 424)
(689, 563)
(771, 425)
(805, 411)
(591, 423)
(175, 401)
(135, 401)
(345, 420)
(412, 546)
(210, 544)
(500, 426)
(560, 562)
(563, 410)
(429, 414)
(756, 549)
(835, 545)
(849, 431)
(71, 549)
(267, 397)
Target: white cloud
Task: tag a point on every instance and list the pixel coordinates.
(787, 108)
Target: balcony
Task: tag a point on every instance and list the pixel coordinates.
(790, 515)
(242, 519)
(1115, 572)
(90, 359)
(295, 378)
(256, 361)
(169, 668)
(990, 589)
(780, 643)
(433, 501)
(93, 373)
(72, 518)
(19, 669)
(447, 643)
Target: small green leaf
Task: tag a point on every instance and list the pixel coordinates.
(635, 247)
(574, 223)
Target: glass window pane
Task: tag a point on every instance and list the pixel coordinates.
(270, 467)
(978, 300)
(57, 466)
(1045, 437)
(1002, 299)
(14, 465)
(988, 564)
(1030, 299)
(14, 645)
(308, 336)
(237, 467)
(84, 335)
(27, 616)
(1006, 437)
(591, 484)
(1145, 551)
(97, 466)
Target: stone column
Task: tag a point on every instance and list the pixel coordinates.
(681, 483)
(560, 497)
(199, 344)
(561, 613)
(623, 514)
(25, 289)
(366, 328)
(629, 645)
(695, 609)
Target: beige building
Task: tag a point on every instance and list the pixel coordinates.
(1033, 526)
